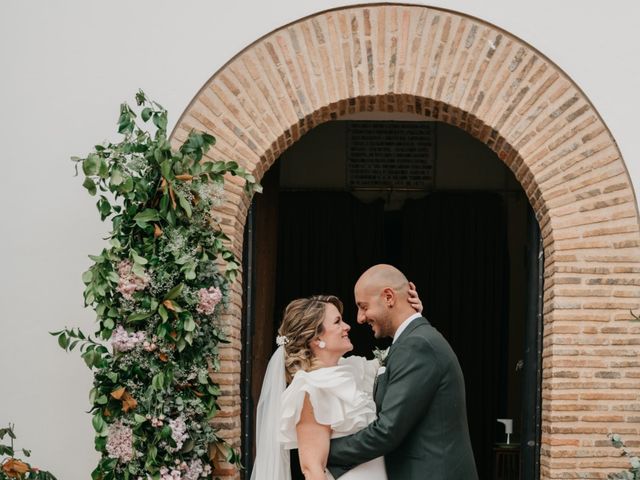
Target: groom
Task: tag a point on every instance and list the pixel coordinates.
(421, 427)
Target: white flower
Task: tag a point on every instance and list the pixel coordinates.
(381, 356)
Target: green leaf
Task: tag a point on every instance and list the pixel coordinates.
(137, 317)
(182, 260)
(163, 313)
(158, 381)
(189, 271)
(98, 423)
(217, 167)
(160, 120)
(104, 207)
(189, 325)
(152, 452)
(138, 269)
(165, 432)
(125, 122)
(63, 340)
(184, 203)
(146, 216)
(90, 186)
(138, 259)
(103, 169)
(139, 419)
(89, 358)
(89, 298)
(141, 97)
(146, 114)
(165, 169)
(116, 177)
(6, 450)
(127, 186)
(109, 324)
(91, 165)
(87, 276)
(174, 292)
(113, 277)
(97, 258)
(158, 154)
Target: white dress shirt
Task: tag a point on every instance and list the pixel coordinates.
(404, 325)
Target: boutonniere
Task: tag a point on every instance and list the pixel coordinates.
(381, 356)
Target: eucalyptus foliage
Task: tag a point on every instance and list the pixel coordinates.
(155, 289)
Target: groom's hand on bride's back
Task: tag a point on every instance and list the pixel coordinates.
(414, 299)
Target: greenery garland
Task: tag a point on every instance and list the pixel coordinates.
(157, 290)
(11, 467)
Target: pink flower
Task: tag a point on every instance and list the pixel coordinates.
(178, 433)
(156, 422)
(208, 299)
(123, 341)
(150, 346)
(120, 442)
(129, 282)
(166, 474)
(194, 470)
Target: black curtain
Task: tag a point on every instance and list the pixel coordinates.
(325, 241)
(454, 247)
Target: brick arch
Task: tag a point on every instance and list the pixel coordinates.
(473, 75)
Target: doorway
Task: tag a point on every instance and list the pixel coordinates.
(468, 240)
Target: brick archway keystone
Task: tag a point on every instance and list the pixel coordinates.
(468, 73)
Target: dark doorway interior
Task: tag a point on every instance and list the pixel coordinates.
(466, 249)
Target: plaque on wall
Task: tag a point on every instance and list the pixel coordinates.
(390, 155)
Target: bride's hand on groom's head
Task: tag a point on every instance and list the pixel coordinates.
(414, 299)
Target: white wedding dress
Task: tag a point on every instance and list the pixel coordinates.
(342, 397)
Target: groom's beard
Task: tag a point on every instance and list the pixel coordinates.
(384, 327)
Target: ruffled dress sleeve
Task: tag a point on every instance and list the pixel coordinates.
(366, 371)
(337, 399)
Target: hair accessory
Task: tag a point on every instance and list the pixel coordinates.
(281, 340)
(322, 344)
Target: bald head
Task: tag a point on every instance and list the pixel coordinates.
(381, 295)
(382, 276)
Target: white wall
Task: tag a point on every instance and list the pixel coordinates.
(64, 67)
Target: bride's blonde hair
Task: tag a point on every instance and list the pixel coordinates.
(302, 323)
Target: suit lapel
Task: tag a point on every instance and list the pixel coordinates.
(410, 328)
(407, 331)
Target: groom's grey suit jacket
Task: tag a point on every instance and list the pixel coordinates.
(421, 427)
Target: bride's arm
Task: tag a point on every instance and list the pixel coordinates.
(313, 443)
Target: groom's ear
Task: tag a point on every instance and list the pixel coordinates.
(389, 296)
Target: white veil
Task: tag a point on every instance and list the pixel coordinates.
(272, 460)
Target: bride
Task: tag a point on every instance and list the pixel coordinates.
(327, 396)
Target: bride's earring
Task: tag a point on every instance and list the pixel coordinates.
(322, 344)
